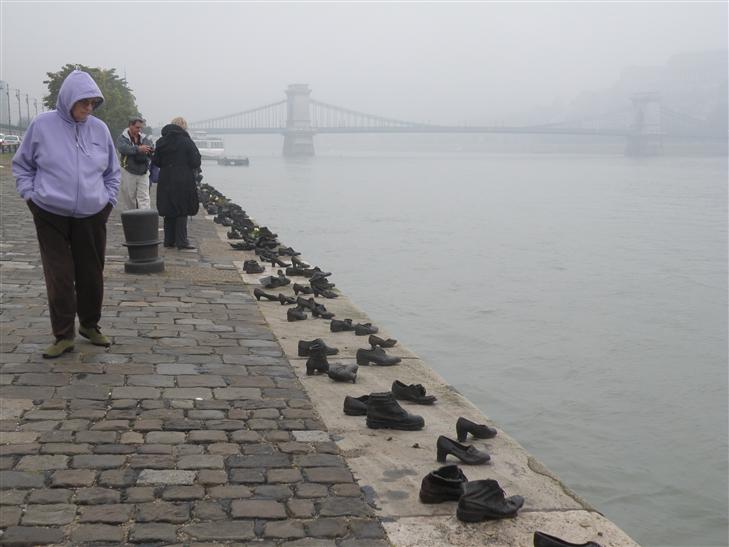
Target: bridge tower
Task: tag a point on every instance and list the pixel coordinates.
(298, 135)
(646, 132)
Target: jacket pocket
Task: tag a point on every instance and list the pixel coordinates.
(99, 156)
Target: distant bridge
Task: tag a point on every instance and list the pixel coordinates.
(298, 118)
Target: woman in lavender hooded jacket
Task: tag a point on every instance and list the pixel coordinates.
(67, 171)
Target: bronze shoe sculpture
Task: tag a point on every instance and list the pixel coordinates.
(485, 500)
(343, 373)
(376, 356)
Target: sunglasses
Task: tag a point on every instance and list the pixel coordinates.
(89, 102)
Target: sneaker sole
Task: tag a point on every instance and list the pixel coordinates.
(378, 424)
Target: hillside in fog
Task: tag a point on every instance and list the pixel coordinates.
(692, 83)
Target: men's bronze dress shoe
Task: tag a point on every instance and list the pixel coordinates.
(306, 346)
(376, 356)
(375, 341)
(342, 325)
(296, 314)
(317, 363)
(383, 412)
(363, 329)
(414, 393)
(274, 281)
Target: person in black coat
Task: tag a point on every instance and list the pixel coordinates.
(179, 161)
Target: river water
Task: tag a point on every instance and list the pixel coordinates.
(578, 298)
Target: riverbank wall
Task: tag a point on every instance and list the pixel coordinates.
(200, 426)
(390, 465)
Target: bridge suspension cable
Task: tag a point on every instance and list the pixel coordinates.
(329, 115)
(617, 117)
(299, 117)
(272, 115)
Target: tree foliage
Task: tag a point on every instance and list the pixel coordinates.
(119, 102)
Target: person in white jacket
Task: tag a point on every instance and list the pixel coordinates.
(135, 149)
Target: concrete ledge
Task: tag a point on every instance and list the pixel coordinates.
(575, 526)
(390, 465)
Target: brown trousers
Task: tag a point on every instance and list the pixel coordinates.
(72, 251)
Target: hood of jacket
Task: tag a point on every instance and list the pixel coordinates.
(172, 130)
(66, 167)
(77, 85)
(171, 136)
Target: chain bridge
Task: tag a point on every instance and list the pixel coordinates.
(643, 123)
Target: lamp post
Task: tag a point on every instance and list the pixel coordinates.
(35, 104)
(20, 114)
(7, 93)
(27, 110)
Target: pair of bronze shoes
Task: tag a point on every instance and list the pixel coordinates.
(466, 453)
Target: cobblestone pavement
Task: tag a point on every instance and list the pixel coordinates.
(191, 429)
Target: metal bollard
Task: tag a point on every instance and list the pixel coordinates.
(141, 232)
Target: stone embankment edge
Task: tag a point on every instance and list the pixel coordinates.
(389, 465)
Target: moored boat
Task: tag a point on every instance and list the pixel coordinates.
(211, 148)
(233, 160)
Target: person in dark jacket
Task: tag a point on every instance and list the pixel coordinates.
(67, 171)
(179, 161)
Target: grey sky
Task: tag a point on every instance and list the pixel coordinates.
(440, 62)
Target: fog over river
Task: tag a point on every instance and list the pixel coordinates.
(579, 299)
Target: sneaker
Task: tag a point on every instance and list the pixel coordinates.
(58, 348)
(94, 336)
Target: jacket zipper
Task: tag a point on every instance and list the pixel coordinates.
(78, 177)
